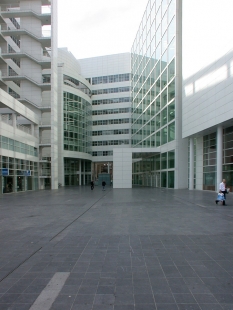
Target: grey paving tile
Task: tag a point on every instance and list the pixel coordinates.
(184, 257)
(105, 299)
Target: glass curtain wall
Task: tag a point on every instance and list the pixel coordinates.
(228, 156)
(77, 124)
(209, 161)
(153, 80)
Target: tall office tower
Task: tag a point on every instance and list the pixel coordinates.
(28, 85)
(111, 107)
(157, 103)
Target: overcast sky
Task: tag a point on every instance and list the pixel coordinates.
(92, 28)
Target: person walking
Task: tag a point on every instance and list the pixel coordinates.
(92, 185)
(103, 185)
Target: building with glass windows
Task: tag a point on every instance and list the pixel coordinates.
(158, 150)
(28, 95)
(207, 93)
(110, 81)
(182, 116)
(160, 116)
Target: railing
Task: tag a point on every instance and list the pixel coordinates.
(12, 73)
(45, 158)
(7, 118)
(24, 128)
(46, 33)
(11, 7)
(44, 57)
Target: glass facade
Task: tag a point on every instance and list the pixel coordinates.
(228, 156)
(16, 146)
(210, 159)
(72, 173)
(156, 170)
(153, 76)
(153, 86)
(77, 124)
(18, 174)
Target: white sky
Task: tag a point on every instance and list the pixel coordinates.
(92, 28)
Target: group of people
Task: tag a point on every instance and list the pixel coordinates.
(222, 193)
(103, 185)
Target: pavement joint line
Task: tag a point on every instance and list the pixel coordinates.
(20, 264)
(77, 218)
(48, 295)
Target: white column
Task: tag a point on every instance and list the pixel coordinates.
(84, 172)
(32, 129)
(14, 120)
(219, 155)
(108, 168)
(80, 172)
(122, 168)
(191, 163)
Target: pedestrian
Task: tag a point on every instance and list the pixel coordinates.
(220, 198)
(103, 185)
(223, 187)
(92, 185)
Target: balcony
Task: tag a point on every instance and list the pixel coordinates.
(13, 11)
(44, 62)
(11, 75)
(8, 30)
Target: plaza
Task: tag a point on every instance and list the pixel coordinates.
(134, 249)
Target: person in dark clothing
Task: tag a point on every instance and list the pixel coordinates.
(103, 185)
(92, 185)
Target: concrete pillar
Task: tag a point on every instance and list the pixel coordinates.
(32, 129)
(108, 168)
(80, 172)
(14, 120)
(191, 163)
(219, 155)
(84, 172)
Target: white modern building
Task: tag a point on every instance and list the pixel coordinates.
(110, 81)
(207, 99)
(28, 81)
(160, 116)
(182, 120)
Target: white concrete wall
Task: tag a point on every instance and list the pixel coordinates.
(207, 64)
(122, 168)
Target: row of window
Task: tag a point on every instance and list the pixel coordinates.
(110, 142)
(68, 80)
(111, 90)
(111, 121)
(110, 79)
(163, 136)
(102, 153)
(16, 146)
(110, 132)
(19, 164)
(111, 111)
(110, 101)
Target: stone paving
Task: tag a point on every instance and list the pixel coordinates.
(123, 249)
